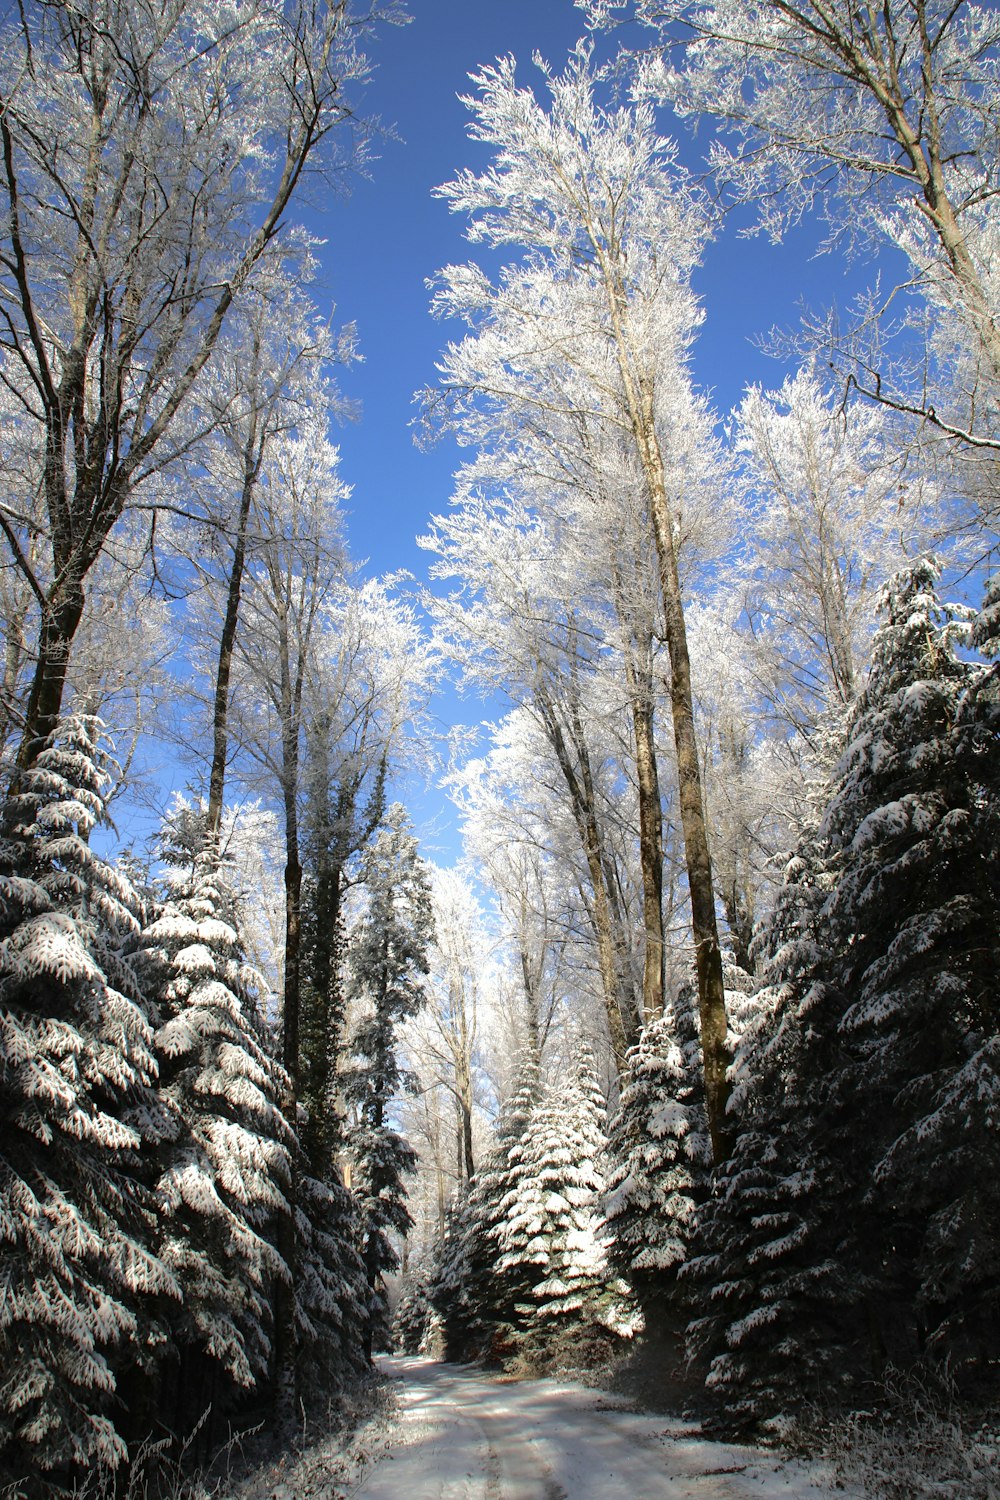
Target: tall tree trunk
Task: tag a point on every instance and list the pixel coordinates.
(637, 650)
(286, 1342)
(638, 391)
(61, 618)
(253, 453)
(650, 845)
(704, 929)
(325, 1024)
(604, 907)
(15, 650)
(463, 1089)
(529, 980)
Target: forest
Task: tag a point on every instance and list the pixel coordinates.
(692, 1048)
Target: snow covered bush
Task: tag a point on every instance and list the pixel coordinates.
(922, 1446)
(78, 1267)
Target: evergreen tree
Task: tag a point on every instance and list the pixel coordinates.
(660, 1160)
(856, 1222)
(914, 921)
(387, 965)
(223, 1175)
(338, 826)
(331, 1292)
(472, 1295)
(457, 1289)
(771, 1279)
(412, 1320)
(77, 1266)
(548, 1227)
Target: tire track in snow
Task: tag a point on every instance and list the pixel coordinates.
(463, 1436)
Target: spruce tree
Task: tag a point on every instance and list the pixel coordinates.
(659, 1159)
(549, 1227)
(856, 1222)
(331, 1292)
(223, 1175)
(777, 1306)
(915, 921)
(78, 1271)
(386, 969)
(411, 1322)
(474, 1296)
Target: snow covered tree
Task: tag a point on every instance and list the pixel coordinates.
(387, 963)
(826, 490)
(854, 1224)
(365, 691)
(330, 1286)
(473, 1294)
(913, 917)
(589, 327)
(412, 1320)
(885, 119)
(78, 1264)
(224, 1172)
(775, 1302)
(548, 1224)
(659, 1160)
(120, 272)
(455, 1289)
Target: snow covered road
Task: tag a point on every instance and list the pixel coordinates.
(463, 1436)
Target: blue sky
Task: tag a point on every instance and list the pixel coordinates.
(389, 234)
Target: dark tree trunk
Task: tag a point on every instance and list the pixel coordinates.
(323, 1020)
(286, 1341)
(650, 850)
(739, 919)
(708, 952)
(532, 998)
(604, 907)
(61, 618)
(638, 642)
(253, 453)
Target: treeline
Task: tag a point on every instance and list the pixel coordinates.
(850, 1231)
(197, 1041)
(740, 820)
(179, 1249)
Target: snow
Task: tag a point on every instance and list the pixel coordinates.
(464, 1436)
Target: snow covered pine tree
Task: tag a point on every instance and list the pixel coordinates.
(224, 1170)
(78, 1270)
(857, 1220)
(387, 963)
(548, 1228)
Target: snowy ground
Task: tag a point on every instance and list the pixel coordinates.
(464, 1436)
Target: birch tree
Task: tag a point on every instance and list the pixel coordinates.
(606, 231)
